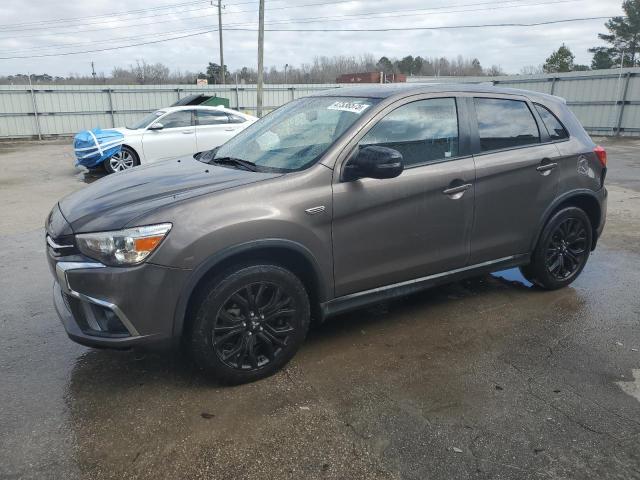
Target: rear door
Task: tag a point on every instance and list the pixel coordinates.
(398, 229)
(214, 127)
(516, 176)
(176, 138)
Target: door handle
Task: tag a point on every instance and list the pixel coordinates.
(230, 129)
(457, 192)
(187, 132)
(545, 168)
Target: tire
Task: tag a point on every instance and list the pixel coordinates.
(236, 343)
(124, 160)
(562, 250)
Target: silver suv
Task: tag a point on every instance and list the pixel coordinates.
(329, 203)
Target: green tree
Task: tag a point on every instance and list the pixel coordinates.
(476, 67)
(418, 63)
(559, 61)
(623, 37)
(214, 73)
(601, 58)
(385, 65)
(405, 65)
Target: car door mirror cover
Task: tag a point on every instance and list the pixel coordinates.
(374, 161)
(156, 126)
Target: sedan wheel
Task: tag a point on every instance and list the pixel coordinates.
(123, 160)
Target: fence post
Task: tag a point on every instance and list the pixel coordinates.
(293, 93)
(35, 109)
(113, 120)
(622, 103)
(178, 92)
(237, 95)
(553, 85)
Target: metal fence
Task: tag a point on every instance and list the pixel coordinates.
(607, 102)
(43, 111)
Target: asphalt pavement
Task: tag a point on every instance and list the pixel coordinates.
(486, 378)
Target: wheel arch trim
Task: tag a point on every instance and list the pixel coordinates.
(564, 198)
(216, 259)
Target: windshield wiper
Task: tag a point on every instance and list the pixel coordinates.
(247, 165)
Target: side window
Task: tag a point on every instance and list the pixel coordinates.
(423, 131)
(235, 118)
(209, 117)
(552, 124)
(181, 118)
(505, 124)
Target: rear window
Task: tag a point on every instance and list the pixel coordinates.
(505, 123)
(552, 124)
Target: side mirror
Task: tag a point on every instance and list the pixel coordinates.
(374, 162)
(156, 126)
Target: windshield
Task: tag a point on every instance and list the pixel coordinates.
(292, 137)
(146, 121)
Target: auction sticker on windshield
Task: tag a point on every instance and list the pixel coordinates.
(348, 107)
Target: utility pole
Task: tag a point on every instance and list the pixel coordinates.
(286, 65)
(220, 35)
(260, 58)
(93, 72)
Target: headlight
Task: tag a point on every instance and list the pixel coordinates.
(124, 247)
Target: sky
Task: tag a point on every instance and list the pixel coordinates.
(42, 27)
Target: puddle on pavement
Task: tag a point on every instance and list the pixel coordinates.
(513, 277)
(89, 176)
(632, 387)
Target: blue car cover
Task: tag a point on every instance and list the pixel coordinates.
(92, 147)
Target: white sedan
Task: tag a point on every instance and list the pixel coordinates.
(176, 131)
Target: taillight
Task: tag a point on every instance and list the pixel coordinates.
(601, 153)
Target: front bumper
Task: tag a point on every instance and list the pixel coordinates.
(138, 302)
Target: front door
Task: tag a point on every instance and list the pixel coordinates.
(213, 128)
(516, 178)
(176, 138)
(394, 230)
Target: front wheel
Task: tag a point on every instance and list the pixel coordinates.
(125, 159)
(249, 323)
(562, 250)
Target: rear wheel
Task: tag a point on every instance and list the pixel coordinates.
(562, 251)
(125, 159)
(249, 323)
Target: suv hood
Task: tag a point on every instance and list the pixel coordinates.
(112, 202)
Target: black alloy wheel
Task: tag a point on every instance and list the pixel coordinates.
(248, 322)
(562, 250)
(253, 326)
(567, 248)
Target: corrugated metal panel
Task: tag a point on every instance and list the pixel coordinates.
(594, 96)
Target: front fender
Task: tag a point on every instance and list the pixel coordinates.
(218, 258)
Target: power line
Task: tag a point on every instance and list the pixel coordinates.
(109, 20)
(122, 13)
(114, 14)
(444, 27)
(111, 39)
(113, 20)
(336, 17)
(415, 13)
